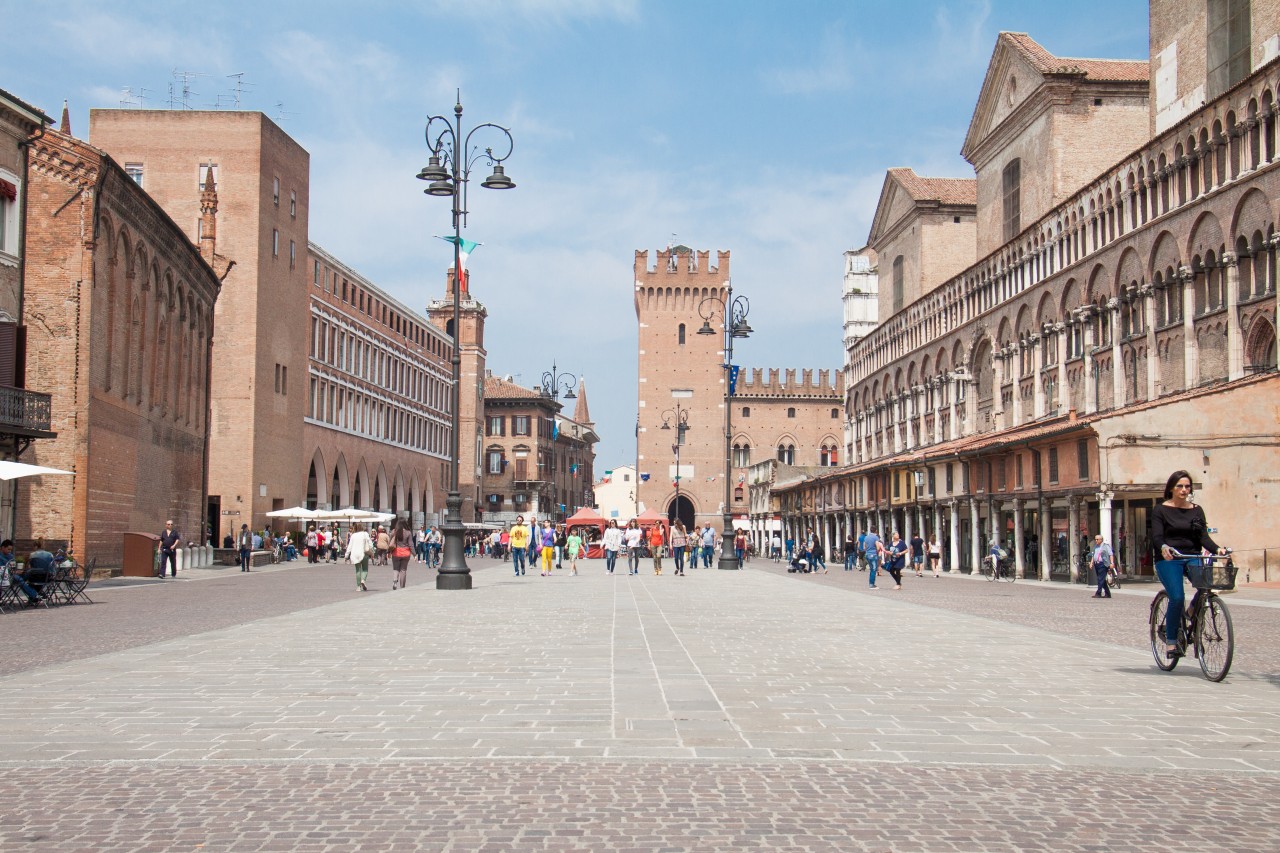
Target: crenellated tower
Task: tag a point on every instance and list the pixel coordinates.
(679, 367)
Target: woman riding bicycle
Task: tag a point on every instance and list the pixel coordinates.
(1178, 525)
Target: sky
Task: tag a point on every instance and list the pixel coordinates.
(761, 128)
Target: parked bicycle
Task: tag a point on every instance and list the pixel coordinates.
(1206, 622)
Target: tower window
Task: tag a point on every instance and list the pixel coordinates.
(746, 411)
(681, 334)
(791, 412)
(1012, 180)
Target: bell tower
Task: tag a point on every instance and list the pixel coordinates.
(681, 371)
(471, 368)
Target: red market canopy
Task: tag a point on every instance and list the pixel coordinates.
(585, 517)
(650, 516)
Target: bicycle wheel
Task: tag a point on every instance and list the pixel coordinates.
(1113, 579)
(1215, 639)
(989, 569)
(1160, 612)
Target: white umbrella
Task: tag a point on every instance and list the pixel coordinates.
(14, 470)
(298, 512)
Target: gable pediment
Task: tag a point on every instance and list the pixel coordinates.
(1011, 81)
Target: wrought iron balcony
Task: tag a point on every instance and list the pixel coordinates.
(24, 412)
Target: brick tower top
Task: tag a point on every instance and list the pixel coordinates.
(679, 262)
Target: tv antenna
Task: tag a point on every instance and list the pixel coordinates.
(180, 91)
(130, 97)
(281, 114)
(240, 87)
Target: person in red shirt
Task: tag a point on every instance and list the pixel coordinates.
(655, 545)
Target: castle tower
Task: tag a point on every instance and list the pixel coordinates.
(471, 371)
(209, 218)
(681, 368)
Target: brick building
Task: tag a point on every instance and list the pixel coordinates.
(262, 315)
(24, 414)
(537, 462)
(1125, 328)
(798, 420)
(377, 426)
(119, 304)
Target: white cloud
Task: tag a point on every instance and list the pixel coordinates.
(120, 40)
(830, 71)
(559, 12)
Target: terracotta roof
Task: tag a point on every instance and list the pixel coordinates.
(1112, 70)
(941, 190)
(501, 389)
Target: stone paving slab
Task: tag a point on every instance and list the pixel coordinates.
(595, 666)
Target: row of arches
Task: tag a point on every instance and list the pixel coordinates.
(825, 453)
(154, 326)
(337, 485)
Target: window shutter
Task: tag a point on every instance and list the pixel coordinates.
(8, 353)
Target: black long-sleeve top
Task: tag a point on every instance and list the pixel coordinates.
(1184, 530)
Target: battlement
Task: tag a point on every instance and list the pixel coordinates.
(771, 382)
(679, 261)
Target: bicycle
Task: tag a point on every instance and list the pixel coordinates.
(1206, 622)
(1000, 569)
(1113, 577)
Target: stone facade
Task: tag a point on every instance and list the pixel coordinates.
(377, 428)
(119, 306)
(1046, 392)
(682, 379)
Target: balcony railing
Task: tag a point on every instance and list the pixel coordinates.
(25, 411)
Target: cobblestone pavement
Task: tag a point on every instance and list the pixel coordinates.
(718, 711)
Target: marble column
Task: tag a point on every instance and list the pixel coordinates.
(1064, 388)
(1019, 543)
(1039, 406)
(1148, 294)
(954, 545)
(1235, 336)
(1117, 363)
(1087, 313)
(975, 537)
(1046, 543)
(1073, 537)
(1191, 347)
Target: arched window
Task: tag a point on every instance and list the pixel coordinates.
(787, 454)
(741, 455)
(835, 414)
(791, 412)
(828, 456)
(681, 334)
(746, 411)
(899, 293)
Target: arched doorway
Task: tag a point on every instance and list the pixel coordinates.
(682, 508)
(335, 492)
(312, 487)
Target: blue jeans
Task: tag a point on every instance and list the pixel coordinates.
(633, 560)
(677, 554)
(873, 563)
(848, 562)
(610, 560)
(517, 560)
(708, 551)
(244, 561)
(738, 552)
(1171, 573)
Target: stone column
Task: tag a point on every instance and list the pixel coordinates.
(954, 545)
(937, 522)
(935, 390)
(1086, 314)
(1073, 541)
(1037, 365)
(975, 538)
(1148, 294)
(920, 394)
(906, 524)
(1016, 380)
(1105, 521)
(1235, 336)
(896, 407)
(1191, 347)
(953, 391)
(1046, 545)
(997, 396)
(1019, 543)
(1117, 364)
(1064, 388)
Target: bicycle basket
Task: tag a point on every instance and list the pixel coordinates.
(1212, 575)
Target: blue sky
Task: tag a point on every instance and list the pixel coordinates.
(761, 128)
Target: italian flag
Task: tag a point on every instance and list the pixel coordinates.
(464, 251)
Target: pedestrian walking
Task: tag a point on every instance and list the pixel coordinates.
(634, 539)
(896, 559)
(817, 555)
(562, 541)
(382, 545)
(548, 548)
(917, 555)
(935, 554)
(708, 545)
(519, 543)
(573, 547)
(655, 546)
(775, 547)
(611, 542)
(850, 551)
(871, 547)
(169, 540)
(360, 548)
(740, 547)
(1102, 560)
(401, 551)
(312, 544)
(679, 541)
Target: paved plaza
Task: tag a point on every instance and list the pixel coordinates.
(282, 710)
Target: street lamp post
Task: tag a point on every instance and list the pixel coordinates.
(735, 310)
(681, 418)
(448, 171)
(553, 383)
